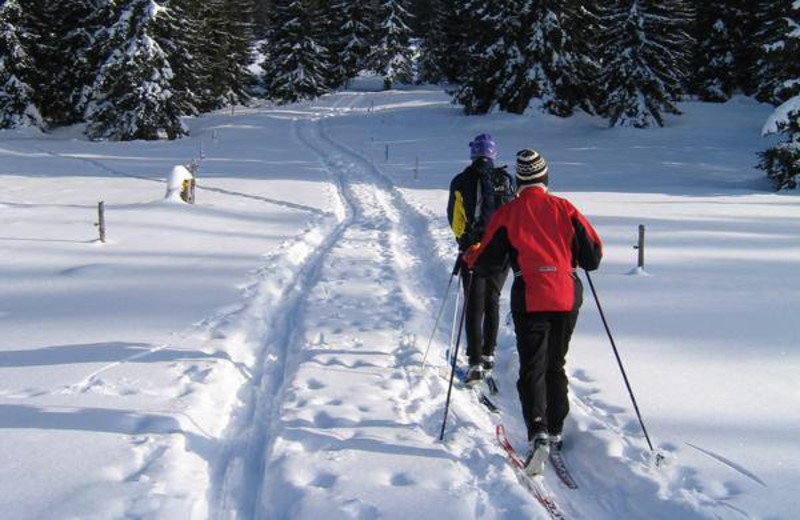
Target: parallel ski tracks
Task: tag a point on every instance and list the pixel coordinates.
(367, 199)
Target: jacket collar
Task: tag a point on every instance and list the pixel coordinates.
(539, 188)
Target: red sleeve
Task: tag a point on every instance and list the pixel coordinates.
(492, 255)
(588, 246)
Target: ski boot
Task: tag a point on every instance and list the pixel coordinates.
(537, 454)
(474, 375)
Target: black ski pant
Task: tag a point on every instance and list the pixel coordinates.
(542, 343)
(483, 312)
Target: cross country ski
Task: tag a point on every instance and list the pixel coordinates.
(532, 484)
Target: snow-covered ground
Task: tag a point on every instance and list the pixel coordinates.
(258, 355)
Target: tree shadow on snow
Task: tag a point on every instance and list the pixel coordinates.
(100, 353)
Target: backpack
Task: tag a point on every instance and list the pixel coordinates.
(502, 185)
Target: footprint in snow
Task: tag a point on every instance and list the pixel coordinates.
(314, 384)
(402, 480)
(582, 376)
(324, 480)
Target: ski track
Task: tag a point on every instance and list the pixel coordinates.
(382, 246)
(241, 464)
(288, 411)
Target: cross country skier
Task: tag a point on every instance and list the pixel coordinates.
(475, 194)
(545, 239)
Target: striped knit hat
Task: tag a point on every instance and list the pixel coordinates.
(531, 167)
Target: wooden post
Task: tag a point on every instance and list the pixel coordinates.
(640, 246)
(416, 168)
(101, 220)
(387, 153)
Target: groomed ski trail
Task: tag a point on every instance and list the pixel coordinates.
(338, 416)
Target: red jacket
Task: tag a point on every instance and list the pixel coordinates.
(545, 238)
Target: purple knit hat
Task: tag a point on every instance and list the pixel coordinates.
(483, 146)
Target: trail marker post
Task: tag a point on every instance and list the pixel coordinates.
(640, 247)
(101, 220)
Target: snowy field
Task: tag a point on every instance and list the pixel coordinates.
(258, 355)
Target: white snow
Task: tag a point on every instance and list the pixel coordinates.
(258, 354)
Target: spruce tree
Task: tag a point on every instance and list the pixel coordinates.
(18, 69)
(133, 95)
(67, 30)
(184, 49)
(645, 60)
(297, 64)
(487, 54)
(392, 55)
(744, 26)
(725, 49)
(549, 58)
(715, 63)
(782, 162)
(443, 55)
(223, 54)
(349, 35)
(239, 56)
(773, 65)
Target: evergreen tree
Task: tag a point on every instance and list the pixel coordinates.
(67, 30)
(645, 60)
(433, 44)
(297, 64)
(773, 65)
(133, 95)
(743, 27)
(223, 53)
(18, 71)
(182, 41)
(715, 62)
(487, 54)
(350, 34)
(239, 56)
(782, 162)
(392, 55)
(443, 55)
(549, 58)
(725, 48)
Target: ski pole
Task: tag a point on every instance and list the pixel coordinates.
(456, 269)
(453, 326)
(619, 360)
(455, 353)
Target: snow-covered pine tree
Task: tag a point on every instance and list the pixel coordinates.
(550, 58)
(18, 69)
(646, 46)
(298, 64)
(743, 25)
(392, 54)
(772, 64)
(349, 36)
(186, 55)
(67, 30)
(487, 53)
(714, 77)
(433, 44)
(443, 55)
(238, 57)
(222, 52)
(133, 95)
(725, 49)
(782, 162)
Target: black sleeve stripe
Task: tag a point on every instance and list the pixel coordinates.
(587, 253)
